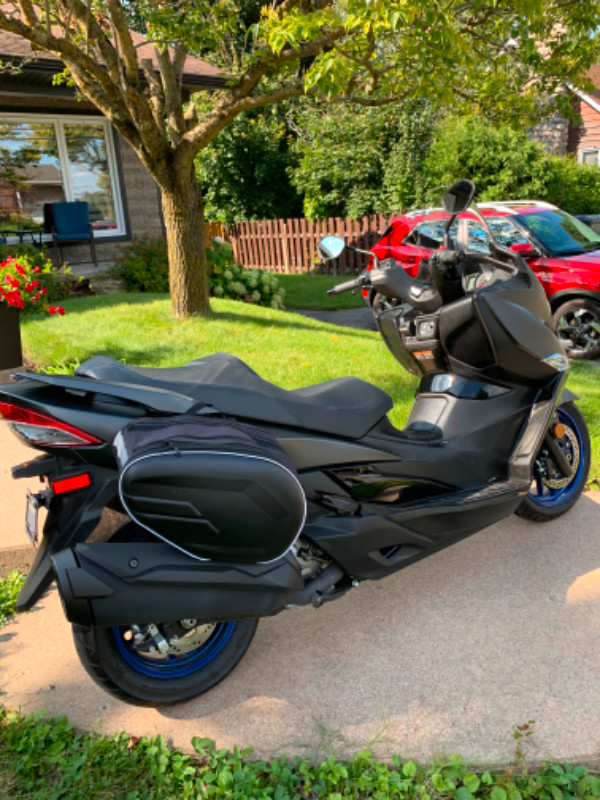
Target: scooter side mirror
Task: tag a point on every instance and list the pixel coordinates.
(457, 198)
(331, 247)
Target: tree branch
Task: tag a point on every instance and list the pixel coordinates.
(221, 116)
(171, 72)
(124, 37)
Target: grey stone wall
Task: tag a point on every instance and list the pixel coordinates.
(141, 193)
(553, 133)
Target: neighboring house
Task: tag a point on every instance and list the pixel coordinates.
(581, 139)
(65, 149)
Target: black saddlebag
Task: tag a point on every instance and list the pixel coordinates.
(214, 488)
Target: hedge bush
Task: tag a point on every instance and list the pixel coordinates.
(506, 164)
(144, 266)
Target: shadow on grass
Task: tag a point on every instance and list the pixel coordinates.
(289, 320)
(135, 356)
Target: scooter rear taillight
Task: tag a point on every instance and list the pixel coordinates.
(43, 430)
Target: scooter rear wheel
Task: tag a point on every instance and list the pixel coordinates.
(550, 497)
(127, 663)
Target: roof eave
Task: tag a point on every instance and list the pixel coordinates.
(190, 81)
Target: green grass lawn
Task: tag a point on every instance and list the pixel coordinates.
(310, 291)
(285, 348)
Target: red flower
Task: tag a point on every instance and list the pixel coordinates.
(20, 288)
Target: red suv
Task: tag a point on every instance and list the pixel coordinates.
(563, 251)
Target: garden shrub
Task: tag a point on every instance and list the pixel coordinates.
(144, 267)
(505, 164)
(23, 249)
(9, 589)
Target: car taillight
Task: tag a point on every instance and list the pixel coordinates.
(42, 429)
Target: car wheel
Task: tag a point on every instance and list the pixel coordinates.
(577, 325)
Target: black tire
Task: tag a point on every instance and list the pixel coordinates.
(137, 677)
(577, 325)
(123, 672)
(545, 502)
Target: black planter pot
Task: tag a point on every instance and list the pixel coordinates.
(10, 337)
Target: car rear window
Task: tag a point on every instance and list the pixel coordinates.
(430, 234)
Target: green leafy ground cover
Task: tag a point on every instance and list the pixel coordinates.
(9, 589)
(285, 348)
(48, 760)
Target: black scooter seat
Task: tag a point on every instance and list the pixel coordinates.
(346, 407)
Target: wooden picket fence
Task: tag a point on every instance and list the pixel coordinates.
(213, 229)
(290, 245)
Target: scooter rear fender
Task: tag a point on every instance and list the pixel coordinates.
(71, 518)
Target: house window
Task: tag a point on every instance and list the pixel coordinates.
(590, 156)
(51, 159)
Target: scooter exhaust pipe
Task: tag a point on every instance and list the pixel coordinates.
(104, 584)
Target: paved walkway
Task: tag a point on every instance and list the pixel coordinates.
(445, 656)
(351, 317)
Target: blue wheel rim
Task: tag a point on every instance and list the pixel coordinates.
(174, 666)
(551, 498)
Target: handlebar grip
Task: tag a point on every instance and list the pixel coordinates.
(345, 287)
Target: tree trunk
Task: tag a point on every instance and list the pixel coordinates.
(183, 211)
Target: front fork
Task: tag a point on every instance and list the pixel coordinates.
(74, 509)
(538, 429)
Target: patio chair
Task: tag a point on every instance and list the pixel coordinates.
(69, 224)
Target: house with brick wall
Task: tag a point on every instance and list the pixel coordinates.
(579, 137)
(63, 148)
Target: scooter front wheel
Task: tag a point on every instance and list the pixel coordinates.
(165, 663)
(550, 494)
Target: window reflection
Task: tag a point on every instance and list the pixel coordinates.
(52, 161)
(505, 232)
(90, 177)
(431, 234)
(30, 171)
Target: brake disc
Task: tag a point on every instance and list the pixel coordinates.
(550, 476)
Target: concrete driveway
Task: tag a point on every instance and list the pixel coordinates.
(443, 657)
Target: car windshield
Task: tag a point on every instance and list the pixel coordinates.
(560, 233)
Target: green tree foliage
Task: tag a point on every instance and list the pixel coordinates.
(356, 160)
(505, 164)
(243, 173)
(365, 51)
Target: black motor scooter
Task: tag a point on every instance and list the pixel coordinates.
(226, 498)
